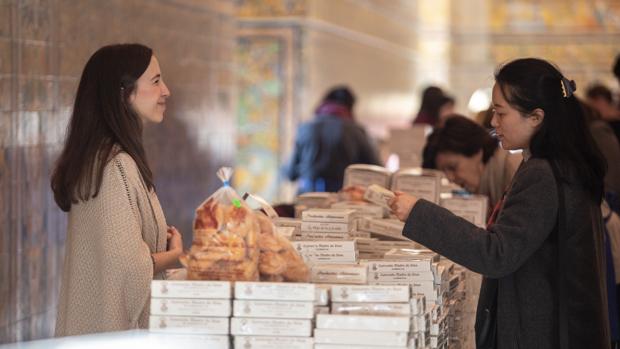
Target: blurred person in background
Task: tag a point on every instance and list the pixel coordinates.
(471, 158)
(434, 107)
(326, 145)
(609, 146)
(601, 99)
(484, 118)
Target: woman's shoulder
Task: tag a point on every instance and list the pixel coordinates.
(123, 163)
(535, 169)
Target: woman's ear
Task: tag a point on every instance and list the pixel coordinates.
(536, 117)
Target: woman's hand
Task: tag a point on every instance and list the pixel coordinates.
(175, 240)
(401, 204)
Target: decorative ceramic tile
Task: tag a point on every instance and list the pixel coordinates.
(6, 67)
(5, 19)
(35, 59)
(36, 94)
(35, 20)
(5, 93)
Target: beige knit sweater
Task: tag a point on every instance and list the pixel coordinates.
(108, 267)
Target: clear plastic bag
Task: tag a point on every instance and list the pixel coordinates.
(279, 261)
(225, 245)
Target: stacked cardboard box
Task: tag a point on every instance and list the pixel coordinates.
(365, 175)
(273, 315)
(374, 316)
(192, 307)
(473, 208)
(327, 224)
(422, 183)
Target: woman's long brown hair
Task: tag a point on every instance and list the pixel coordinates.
(101, 118)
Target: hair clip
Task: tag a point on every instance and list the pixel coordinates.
(568, 87)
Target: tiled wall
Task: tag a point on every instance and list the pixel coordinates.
(43, 48)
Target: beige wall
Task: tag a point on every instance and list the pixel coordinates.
(372, 51)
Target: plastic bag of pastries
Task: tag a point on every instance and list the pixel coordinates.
(278, 261)
(225, 245)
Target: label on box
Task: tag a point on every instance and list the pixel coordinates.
(339, 274)
(190, 289)
(326, 227)
(386, 267)
(359, 234)
(402, 277)
(383, 246)
(422, 187)
(363, 322)
(275, 291)
(355, 293)
(359, 337)
(382, 309)
(330, 252)
(365, 175)
(274, 309)
(270, 342)
(189, 324)
(271, 327)
(190, 307)
(362, 209)
(330, 215)
(315, 236)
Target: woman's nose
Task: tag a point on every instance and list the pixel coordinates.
(165, 91)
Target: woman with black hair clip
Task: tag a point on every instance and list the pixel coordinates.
(542, 253)
(117, 237)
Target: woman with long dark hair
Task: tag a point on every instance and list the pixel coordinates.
(117, 237)
(542, 253)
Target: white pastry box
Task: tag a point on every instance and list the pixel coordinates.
(339, 274)
(380, 309)
(370, 293)
(189, 324)
(275, 291)
(327, 252)
(191, 307)
(271, 327)
(273, 309)
(473, 208)
(422, 183)
(271, 342)
(363, 322)
(360, 337)
(365, 175)
(190, 289)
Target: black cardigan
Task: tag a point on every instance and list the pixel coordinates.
(519, 251)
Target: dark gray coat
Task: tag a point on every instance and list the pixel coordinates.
(520, 252)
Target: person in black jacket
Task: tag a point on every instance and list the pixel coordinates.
(326, 145)
(541, 255)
